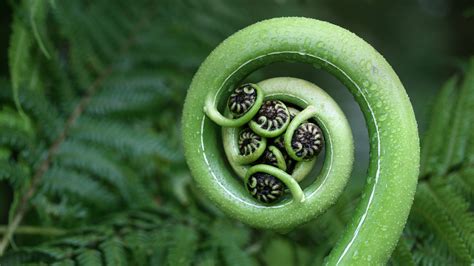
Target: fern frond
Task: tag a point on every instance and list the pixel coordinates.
(430, 208)
(434, 143)
(469, 86)
(78, 185)
(229, 241)
(89, 258)
(114, 252)
(183, 245)
(101, 164)
(124, 139)
(19, 58)
(402, 255)
(16, 174)
(38, 11)
(125, 95)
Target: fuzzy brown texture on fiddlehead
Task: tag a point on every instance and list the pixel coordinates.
(265, 187)
(242, 99)
(307, 141)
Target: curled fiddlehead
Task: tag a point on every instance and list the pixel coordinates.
(271, 120)
(394, 158)
(251, 146)
(242, 99)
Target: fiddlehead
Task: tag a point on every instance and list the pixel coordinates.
(392, 174)
(271, 120)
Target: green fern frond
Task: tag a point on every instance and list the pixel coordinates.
(124, 139)
(114, 252)
(402, 255)
(429, 207)
(462, 124)
(183, 245)
(19, 58)
(79, 185)
(433, 144)
(89, 257)
(140, 94)
(443, 202)
(38, 12)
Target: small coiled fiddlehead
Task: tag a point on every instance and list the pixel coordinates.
(394, 158)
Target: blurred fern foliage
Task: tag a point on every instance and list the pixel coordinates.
(90, 147)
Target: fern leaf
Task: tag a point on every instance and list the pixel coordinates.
(114, 252)
(183, 245)
(89, 257)
(469, 86)
(131, 95)
(87, 159)
(67, 262)
(402, 255)
(230, 241)
(427, 205)
(434, 143)
(79, 185)
(38, 11)
(16, 174)
(463, 119)
(19, 58)
(124, 139)
(137, 242)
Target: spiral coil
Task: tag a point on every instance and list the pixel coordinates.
(211, 137)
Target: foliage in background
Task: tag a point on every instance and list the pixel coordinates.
(89, 143)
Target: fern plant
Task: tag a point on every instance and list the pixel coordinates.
(90, 146)
(441, 227)
(86, 132)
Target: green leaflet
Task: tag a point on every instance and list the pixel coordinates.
(402, 255)
(19, 58)
(429, 207)
(89, 258)
(38, 12)
(183, 245)
(114, 252)
(434, 142)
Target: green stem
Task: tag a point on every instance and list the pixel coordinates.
(281, 164)
(304, 115)
(290, 182)
(211, 111)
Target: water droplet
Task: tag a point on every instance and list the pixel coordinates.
(366, 84)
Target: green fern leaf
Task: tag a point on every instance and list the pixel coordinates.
(434, 143)
(462, 123)
(402, 255)
(114, 252)
(89, 258)
(79, 185)
(19, 58)
(38, 11)
(428, 205)
(183, 245)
